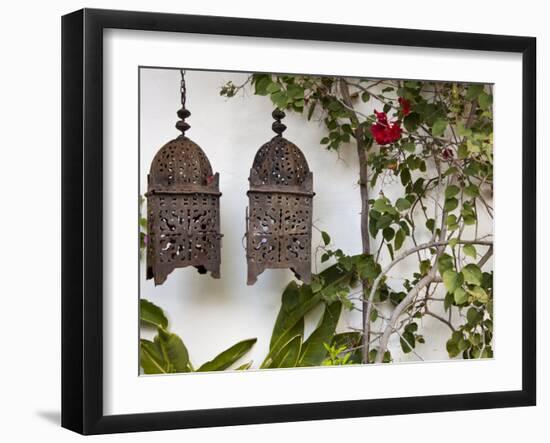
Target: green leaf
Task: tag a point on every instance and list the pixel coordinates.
(463, 344)
(405, 176)
(460, 296)
(261, 84)
(365, 96)
(450, 204)
(471, 191)
(451, 220)
(407, 341)
(280, 99)
(472, 274)
(474, 91)
(452, 280)
(384, 221)
(444, 263)
(244, 366)
(405, 227)
(313, 351)
(373, 227)
(409, 147)
(288, 356)
(292, 311)
(402, 204)
(439, 126)
(316, 283)
(425, 266)
(152, 314)
(174, 351)
(479, 294)
(448, 301)
(143, 223)
(462, 131)
(470, 250)
(485, 101)
(412, 121)
(418, 186)
(373, 315)
(451, 191)
(399, 239)
(473, 315)
(382, 205)
(335, 106)
(390, 250)
(430, 224)
(326, 238)
(150, 358)
(297, 301)
(295, 91)
(462, 151)
(388, 233)
(273, 87)
(228, 357)
(452, 348)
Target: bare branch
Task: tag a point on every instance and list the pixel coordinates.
(441, 319)
(363, 187)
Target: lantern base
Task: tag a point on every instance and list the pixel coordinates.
(302, 271)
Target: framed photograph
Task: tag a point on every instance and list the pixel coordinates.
(270, 221)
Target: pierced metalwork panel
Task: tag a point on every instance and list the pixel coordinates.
(280, 162)
(279, 234)
(183, 231)
(180, 162)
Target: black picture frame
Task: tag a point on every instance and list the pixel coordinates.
(82, 218)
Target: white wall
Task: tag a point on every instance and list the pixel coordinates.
(210, 314)
(30, 110)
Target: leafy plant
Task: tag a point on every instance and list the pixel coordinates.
(167, 353)
(435, 139)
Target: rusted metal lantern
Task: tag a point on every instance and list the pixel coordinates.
(278, 221)
(183, 207)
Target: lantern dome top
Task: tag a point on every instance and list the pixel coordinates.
(180, 162)
(280, 162)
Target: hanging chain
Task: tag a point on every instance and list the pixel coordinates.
(183, 113)
(183, 90)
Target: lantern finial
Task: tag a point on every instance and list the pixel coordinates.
(277, 126)
(183, 113)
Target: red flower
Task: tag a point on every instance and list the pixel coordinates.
(405, 106)
(383, 131)
(209, 179)
(448, 154)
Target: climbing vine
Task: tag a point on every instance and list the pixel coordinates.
(434, 140)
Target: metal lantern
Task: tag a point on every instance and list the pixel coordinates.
(183, 207)
(278, 231)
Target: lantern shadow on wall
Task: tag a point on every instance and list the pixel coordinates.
(278, 219)
(183, 207)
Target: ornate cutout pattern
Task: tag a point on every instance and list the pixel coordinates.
(280, 211)
(182, 212)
